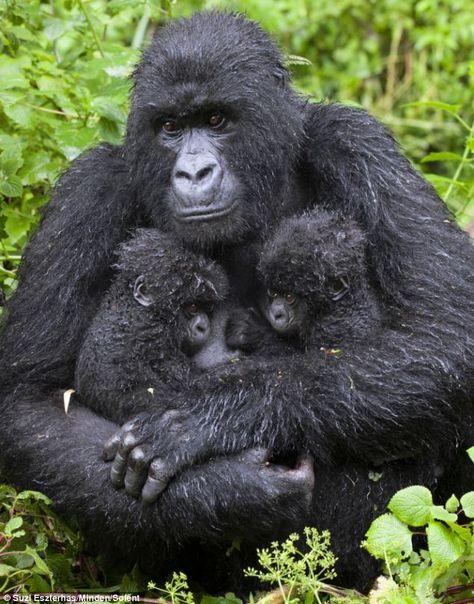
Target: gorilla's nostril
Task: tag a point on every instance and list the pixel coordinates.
(207, 171)
(182, 174)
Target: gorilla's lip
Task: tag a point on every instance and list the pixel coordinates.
(203, 214)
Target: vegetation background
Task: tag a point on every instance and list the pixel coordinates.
(64, 84)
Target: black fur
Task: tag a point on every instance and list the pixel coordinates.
(401, 401)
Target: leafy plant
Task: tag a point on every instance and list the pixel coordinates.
(301, 571)
(441, 567)
(38, 552)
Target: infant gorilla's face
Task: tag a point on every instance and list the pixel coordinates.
(291, 315)
(286, 312)
(201, 328)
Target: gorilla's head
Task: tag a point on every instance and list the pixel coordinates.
(214, 129)
(319, 291)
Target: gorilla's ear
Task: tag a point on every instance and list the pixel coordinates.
(140, 292)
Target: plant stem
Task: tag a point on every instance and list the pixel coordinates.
(142, 26)
(463, 161)
(94, 33)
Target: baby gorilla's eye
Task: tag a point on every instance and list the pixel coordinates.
(216, 120)
(272, 293)
(337, 288)
(191, 308)
(290, 298)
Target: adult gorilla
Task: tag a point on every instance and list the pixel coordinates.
(218, 149)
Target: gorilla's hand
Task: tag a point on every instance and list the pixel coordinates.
(246, 330)
(145, 472)
(147, 451)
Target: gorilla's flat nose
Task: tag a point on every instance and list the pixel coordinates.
(196, 177)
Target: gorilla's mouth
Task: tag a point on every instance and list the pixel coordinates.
(205, 214)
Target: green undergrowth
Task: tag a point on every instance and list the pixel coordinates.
(426, 549)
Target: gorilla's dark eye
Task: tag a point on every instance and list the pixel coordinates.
(290, 298)
(191, 309)
(272, 293)
(216, 120)
(171, 127)
(337, 288)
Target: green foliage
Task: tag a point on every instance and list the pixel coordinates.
(63, 88)
(38, 552)
(300, 570)
(441, 568)
(176, 590)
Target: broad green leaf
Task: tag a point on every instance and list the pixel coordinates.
(11, 73)
(11, 160)
(470, 452)
(6, 569)
(412, 505)
(445, 546)
(452, 504)
(387, 536)
(467, 504)
(438, 512)
(13, 524)
(11, 187)
(107, 108)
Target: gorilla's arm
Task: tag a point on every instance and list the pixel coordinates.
(60, 455)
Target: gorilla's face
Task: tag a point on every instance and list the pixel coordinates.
(205, 195)
(213, 132)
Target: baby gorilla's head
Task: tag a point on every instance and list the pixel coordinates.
(318, 291)
(178, 298)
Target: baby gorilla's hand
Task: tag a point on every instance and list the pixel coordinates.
(148, 451)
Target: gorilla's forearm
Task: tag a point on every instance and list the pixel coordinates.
(61, 456)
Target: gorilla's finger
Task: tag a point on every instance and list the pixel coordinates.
(159, 475)
(119, 466)
(137, 470)
(111, 446)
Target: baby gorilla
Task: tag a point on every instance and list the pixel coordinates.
(318, 291)
(161, 322)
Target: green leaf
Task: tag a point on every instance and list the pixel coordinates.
(452, 504)
(11, 187)
(443, 156)
(106, 108)
(445, 546)
(467, 504)
(6, 570)
(35, 496)
(438, 512)
(470, 452)
(449, 108)
(11, 160)
(40, 565)
(412, 505)
(386, 536)
(13, 524)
